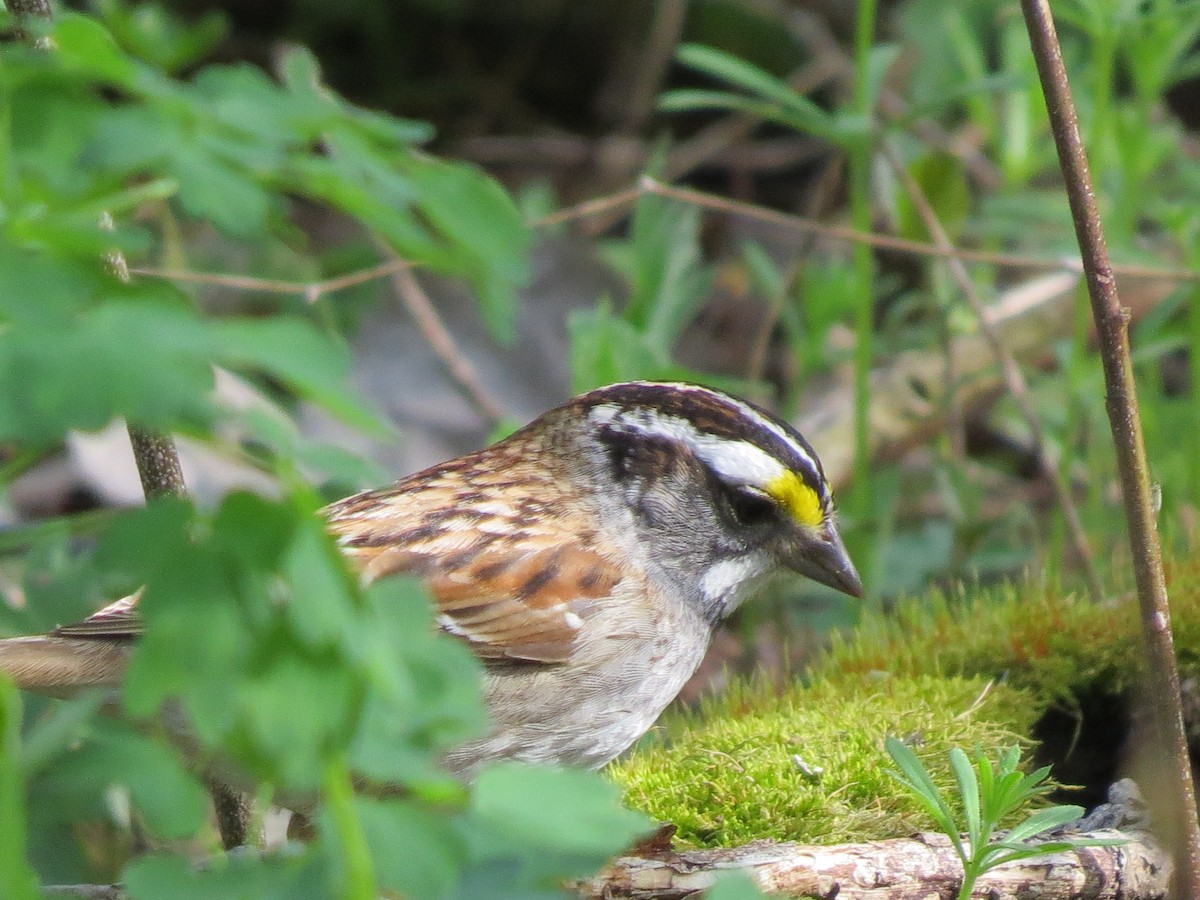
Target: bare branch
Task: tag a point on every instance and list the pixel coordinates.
(1112, 327)
(430, 324)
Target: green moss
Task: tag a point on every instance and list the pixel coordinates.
(728, 773)
(1057, 646)
(734, 771)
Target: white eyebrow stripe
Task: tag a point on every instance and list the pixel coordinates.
(735, 460)
(750, 413)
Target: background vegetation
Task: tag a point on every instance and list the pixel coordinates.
(454, 138)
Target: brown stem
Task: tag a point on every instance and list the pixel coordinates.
(1014, 380)
(157, 464)
(889, 242)
(1112, 328)
(38, 8)
(28, 9)
(430, 324)
(162, 476)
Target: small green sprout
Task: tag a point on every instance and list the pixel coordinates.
(988, 795)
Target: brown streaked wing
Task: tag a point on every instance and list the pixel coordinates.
(517, 602)
(510, 577)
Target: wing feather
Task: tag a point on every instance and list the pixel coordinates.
(509, 572)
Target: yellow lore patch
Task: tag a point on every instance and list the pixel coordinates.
(790, 491)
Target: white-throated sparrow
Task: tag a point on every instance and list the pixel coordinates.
(586, 559)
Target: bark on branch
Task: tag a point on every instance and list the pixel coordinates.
(919, 868)
(1112, 326)
(923, 867)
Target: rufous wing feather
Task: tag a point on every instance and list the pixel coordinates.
(523, 602)
(511, 578)
(513, 582)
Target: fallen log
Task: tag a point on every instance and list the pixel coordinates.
(923, 867)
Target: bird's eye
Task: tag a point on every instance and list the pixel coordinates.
(750, 506)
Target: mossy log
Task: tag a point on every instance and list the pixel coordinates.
(918, 868)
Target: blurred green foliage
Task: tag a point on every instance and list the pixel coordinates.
(124, 122)
(339, 686)
(967, 68)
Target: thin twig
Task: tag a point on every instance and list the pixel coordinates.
(1112, 329)
(588, 208)
(430, 324)
(899, 245)
(157, 464)
(1014, 380)
(157, 459)
(310, 290)
(161, 475)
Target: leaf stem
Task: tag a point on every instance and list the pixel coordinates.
(338, 794)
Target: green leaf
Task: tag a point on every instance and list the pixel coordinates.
(128, 140)
(41, 288)
(530, 829)
(725, 67)
(291, 350)
(221, 193)
(668, 280)
(292, 875)
(491, 241)
(734, 886)
(145, 357)
(172, 803)
(879, 62)
(559, 810)
(801, 119)
(434, 851)
(770, 97)
(968, 789)
(1043, 820)
(298, 712)
(86, 47)
(915, 777)
(51, 735)
(321, 604)
(425, 695)
(142, 361)
(765, 275)
(606, 349)
(943, 181)
(301, 76)
(160, 37)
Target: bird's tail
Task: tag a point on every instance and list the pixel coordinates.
(62, 666)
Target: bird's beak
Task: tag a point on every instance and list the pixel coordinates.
(820, 555)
